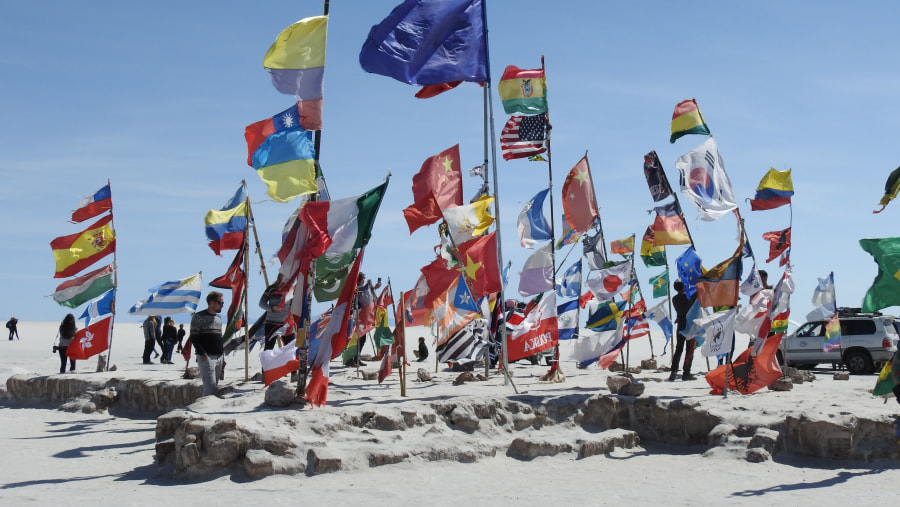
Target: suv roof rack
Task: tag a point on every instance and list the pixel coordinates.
(846, 311)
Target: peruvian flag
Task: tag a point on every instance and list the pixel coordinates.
(90, 341)
(333, 340)
(279, 362)
(536, 332)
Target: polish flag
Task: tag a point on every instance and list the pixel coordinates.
(279, 362)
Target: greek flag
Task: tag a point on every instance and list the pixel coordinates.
(180, 296)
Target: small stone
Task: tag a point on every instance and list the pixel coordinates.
(841, 375)
(463, 377)
(369, 375)
(649, 364)
(191, 372)
(757, 455)
(632, 389)
(101, 362)
(782, 384)
(615, 382)
(280, 394)
(423, 375)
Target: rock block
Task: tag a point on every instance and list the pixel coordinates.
(423, 375)
(280, 394)
(782, 384)
(649, 364)
(528, 448)
(615, 382)
(757, 455)
(321, 461)
(632, 389)
(841, 375)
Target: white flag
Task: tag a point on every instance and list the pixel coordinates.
(719, 332)
(611, 281)
(704, 182)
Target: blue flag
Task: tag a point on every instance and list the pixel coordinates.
(532, 225)
(429, 42)
(567, 319)
(689, 270)
(569, 286)
(463, 299)
(99, 307)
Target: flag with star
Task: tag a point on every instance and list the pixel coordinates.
(524, 136)
(478, 258)
(579, 200)
(689, 270)
(437, 186)
(660, 284)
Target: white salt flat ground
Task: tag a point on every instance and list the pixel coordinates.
(51, 457)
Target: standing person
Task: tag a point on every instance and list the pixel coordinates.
(206, 337)
(277, 309)
(363, 300)
(67, 331)
(13, 330)
(180, 337)
(169, 338)
(682, 306)
(150, 337)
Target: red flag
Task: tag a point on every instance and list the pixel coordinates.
(479, 260)
(439, 277)
(384, 299)
(385, 369)
(233, 279)
(537, 331)
(579, 201)
(585, 299)
(749, 373)
(422, 213)
(90, 341)
(779, 241)
(429, 91)
(441, 176)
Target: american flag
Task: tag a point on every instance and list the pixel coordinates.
(524, 136)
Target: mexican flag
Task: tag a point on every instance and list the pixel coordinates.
(341, 225)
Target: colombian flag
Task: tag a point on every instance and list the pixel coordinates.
(774, 190)
(75, 252)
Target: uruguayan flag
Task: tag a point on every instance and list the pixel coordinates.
(180, 296)
(99, 307)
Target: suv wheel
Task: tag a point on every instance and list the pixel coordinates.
(858, 362)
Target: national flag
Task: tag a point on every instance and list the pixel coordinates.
(593, 251)
(832, 334)
(414, 308)
(532, 225)
(569, 286)
(296, 61)
(751, 316)
(656, 177)
(537, 273)
(236, 280)
(429, 42)
(891, 187)
(585, 298)
(602, 348)
(579, 200)
(885, 289)
(178, 296)
(886, 379)
(749, 372)
(73, 293)
(823, 299)
(524, 136)
(77, 251)
(622, 246)
(660, 315)
(607, 316)
(437, 186)
(774, 190)
(611, 281)
(687, 120)
(779, 241)
(384, 369)
(294, 235)
(539, 331)
(331, 271)
(567, 320)
(383, 336)
(466, 345)
(523, 90)
(256, 133)
(285, 162)
(93, 205)
(718, 332)
(438, 277)
(669, 227)
(568, 236)
(753, 283)
(689, 270)
(342, 225)
(90, 341)
(636, 327)
(469, 220)
(776, 318)
(693, 330)
(479, 260)
(704, 181)
(718, 286)
(651, 253)
(226, 228)
(660, 284)
(103, 306)
(429, 91)
(462, 298)
(279, 362)
(453, 309)
(334, 339)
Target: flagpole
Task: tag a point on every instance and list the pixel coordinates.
(554, 370)
(246, 248)
(401, 356)
(112, 317)
(489, 131)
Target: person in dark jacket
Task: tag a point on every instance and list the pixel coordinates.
(206, 338)
(150, 337)
(13, 330)
(169, 339)
(422, 353)
(682, 305)
(67, 331)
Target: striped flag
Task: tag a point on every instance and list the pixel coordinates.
(466, 345)
(523, 136)
(178, 296)
(99, 308)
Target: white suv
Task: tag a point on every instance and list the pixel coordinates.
(867, 342)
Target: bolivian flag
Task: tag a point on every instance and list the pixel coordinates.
(687, 120)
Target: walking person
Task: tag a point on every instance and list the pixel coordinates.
(682, 305)
(12, 324)
(206, 338)
(150, 337)
(181, 333)
(67, 331)
(169, 338)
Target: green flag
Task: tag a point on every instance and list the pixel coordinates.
(885, 383)
(885, 290)
(660, 284)
(331, 271)
(382, 335)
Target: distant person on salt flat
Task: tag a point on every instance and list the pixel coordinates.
(206, 338)
(12, 324)
(181, 334)
(169, 339)
(682, 305)
(422, 353)
(150, 337)
(67, 331)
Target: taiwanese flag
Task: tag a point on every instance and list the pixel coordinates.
(93, 205)
(438, 183)
(779, 241)
(90, 341)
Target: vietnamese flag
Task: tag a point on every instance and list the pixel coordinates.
(90, 341)
(579, 200)
(479, 259)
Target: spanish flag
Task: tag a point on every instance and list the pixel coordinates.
(75, 252)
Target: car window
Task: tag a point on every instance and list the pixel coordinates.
(811, 329)
(857, 327)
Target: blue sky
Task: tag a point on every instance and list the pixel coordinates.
(155, 98)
